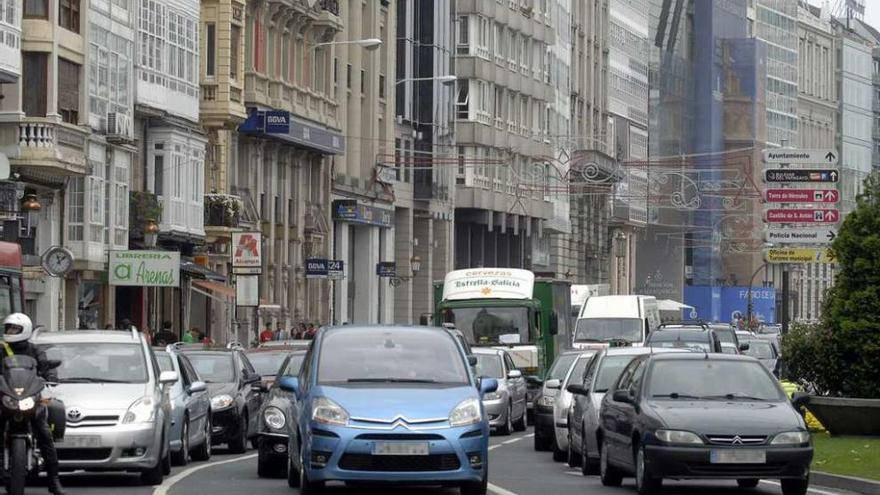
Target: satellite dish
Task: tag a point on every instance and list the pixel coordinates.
(4, 167)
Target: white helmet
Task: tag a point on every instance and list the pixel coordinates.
(17, 327)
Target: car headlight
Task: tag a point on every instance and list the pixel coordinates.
(467, 412)
(547, 401)
(26, 404)
(492, 396)
(327, 412)
(274, 418)
(221, 401)
(141, 411)
(791, 438)
(679, 437)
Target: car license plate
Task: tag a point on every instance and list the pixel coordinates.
(738, 456)
(400, 448)
(80, 442)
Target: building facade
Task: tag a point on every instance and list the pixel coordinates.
(503, 94)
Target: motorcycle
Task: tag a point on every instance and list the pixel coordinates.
(21, 392)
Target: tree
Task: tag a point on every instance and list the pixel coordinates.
(845, 346)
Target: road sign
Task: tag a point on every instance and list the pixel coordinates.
(801, 157)
(789, 215)
(800, 236)
(802, 195)
(336, 269)
(386, 269)
(801, 175)
(798, 255)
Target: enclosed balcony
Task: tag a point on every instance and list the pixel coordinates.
(222, 210)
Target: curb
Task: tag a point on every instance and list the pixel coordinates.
(849, 483)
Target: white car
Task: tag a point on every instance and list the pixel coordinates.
(561, 406)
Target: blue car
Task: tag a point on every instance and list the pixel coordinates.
(380, 404)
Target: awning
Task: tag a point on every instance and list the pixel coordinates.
(215, 287)
(200, 272)
(670, 305)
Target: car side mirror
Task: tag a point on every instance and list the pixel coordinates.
(488, 385)
(514, 374)
(167, 377)
(800, 399)
(554, 324)
(744, 346)
(53, 363)
(472, 360)
(259, 387)
(622, 396)
(196, 387)
(553, 384)
(289, 384)
(576, 389)
(534, 380)
(250, 378)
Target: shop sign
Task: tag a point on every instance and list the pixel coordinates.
(316, 268)
(386, 269)
(277, 122)
(352, 212)
(488, 283)
(336, 269)
(247, 252)
(145, 268)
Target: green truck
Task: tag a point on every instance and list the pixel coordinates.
(508, 308)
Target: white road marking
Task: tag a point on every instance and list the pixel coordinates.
(810, 490)
(513, 440)
(499, 491)
(177, 478)
(574, 473)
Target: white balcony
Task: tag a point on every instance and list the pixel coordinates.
(40, 142)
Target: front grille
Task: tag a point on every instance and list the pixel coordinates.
(399, 463)
(734, 469)
(85, 454)
(736, 440)
(93, 421)
(399, 436)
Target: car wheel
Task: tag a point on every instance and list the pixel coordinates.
(747, 483)
(181, 457)
(588, 466)
(520, 424)
(540, 443)
(154, 475)
(795, 486)
(292, 473)
(267, 466)
(306, 486)
(559, 455)
(645, 483)
(476, 487)
(238, 443)
(203, 451)
(166, 462)
(609, 475)
(508, 422)
(574, 458)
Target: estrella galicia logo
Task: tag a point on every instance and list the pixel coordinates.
(277, 122)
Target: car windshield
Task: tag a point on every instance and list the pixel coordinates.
(712, 379)
(295, 364)
(390, 356)
(491, 325)
(267, 363)
(694, 339)
(725, 335)
(561, 366)
(164, 361)
(609, 369)
(213, 368)
(761, 350)
(95, 362)
(608, 329)
(577, 371)
(489, 365)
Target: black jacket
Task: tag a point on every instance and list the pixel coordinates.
(43, 368)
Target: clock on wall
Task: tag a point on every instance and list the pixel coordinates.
(57, 261)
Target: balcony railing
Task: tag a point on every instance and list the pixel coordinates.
(45, 142)
(222, 210)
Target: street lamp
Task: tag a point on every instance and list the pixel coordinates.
(151, 233)
(448, 79)
(369, 43)
(749, 306)
(31, 207)
(620, 254)
(415, 265)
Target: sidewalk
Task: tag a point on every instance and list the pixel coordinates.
(848, 483)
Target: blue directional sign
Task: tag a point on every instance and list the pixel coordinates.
(336, 269)
(316, 268)
(387, 269)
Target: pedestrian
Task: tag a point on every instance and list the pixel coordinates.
(267, 334)
(280, 334)
(192, 336)
(126, 325)
(166, 336)
(148, 334)
(108, 326)
(311, 331)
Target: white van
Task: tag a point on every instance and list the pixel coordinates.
(616, 319)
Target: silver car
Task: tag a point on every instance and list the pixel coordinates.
(561, 405)
(506, 407)
(118, 416)
(583, 425)
(190, 409)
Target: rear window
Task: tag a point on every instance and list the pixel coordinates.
(267, 363)
(695, 339)
(213, 368)
(609, 369)
(489, 365)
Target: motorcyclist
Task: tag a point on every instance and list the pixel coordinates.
(17, 331)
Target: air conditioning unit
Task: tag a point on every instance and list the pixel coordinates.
(118, 127)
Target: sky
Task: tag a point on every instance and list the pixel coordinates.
(872, 13)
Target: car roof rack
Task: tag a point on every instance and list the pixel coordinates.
(235, 346)
(700, 323)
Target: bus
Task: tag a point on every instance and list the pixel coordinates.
(11, 280)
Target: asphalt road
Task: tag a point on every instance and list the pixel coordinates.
(515, 469)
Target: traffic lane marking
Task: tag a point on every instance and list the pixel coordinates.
(810, 490)
(498, 490)
(177, 478)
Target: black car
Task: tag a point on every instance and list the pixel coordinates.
(274, 421)
(764, 351)
(234, 388)
(685, 335)
(701, 416)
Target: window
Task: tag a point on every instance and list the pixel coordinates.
(68, 14)
(34, 78)
(182, 42)
(109, 82)
(36, 8)
(158, 169)
(348, 76)
(75, 208)
(68, 91)
(235, 40)
(120, 187)
(461, 99)
(211, 49)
